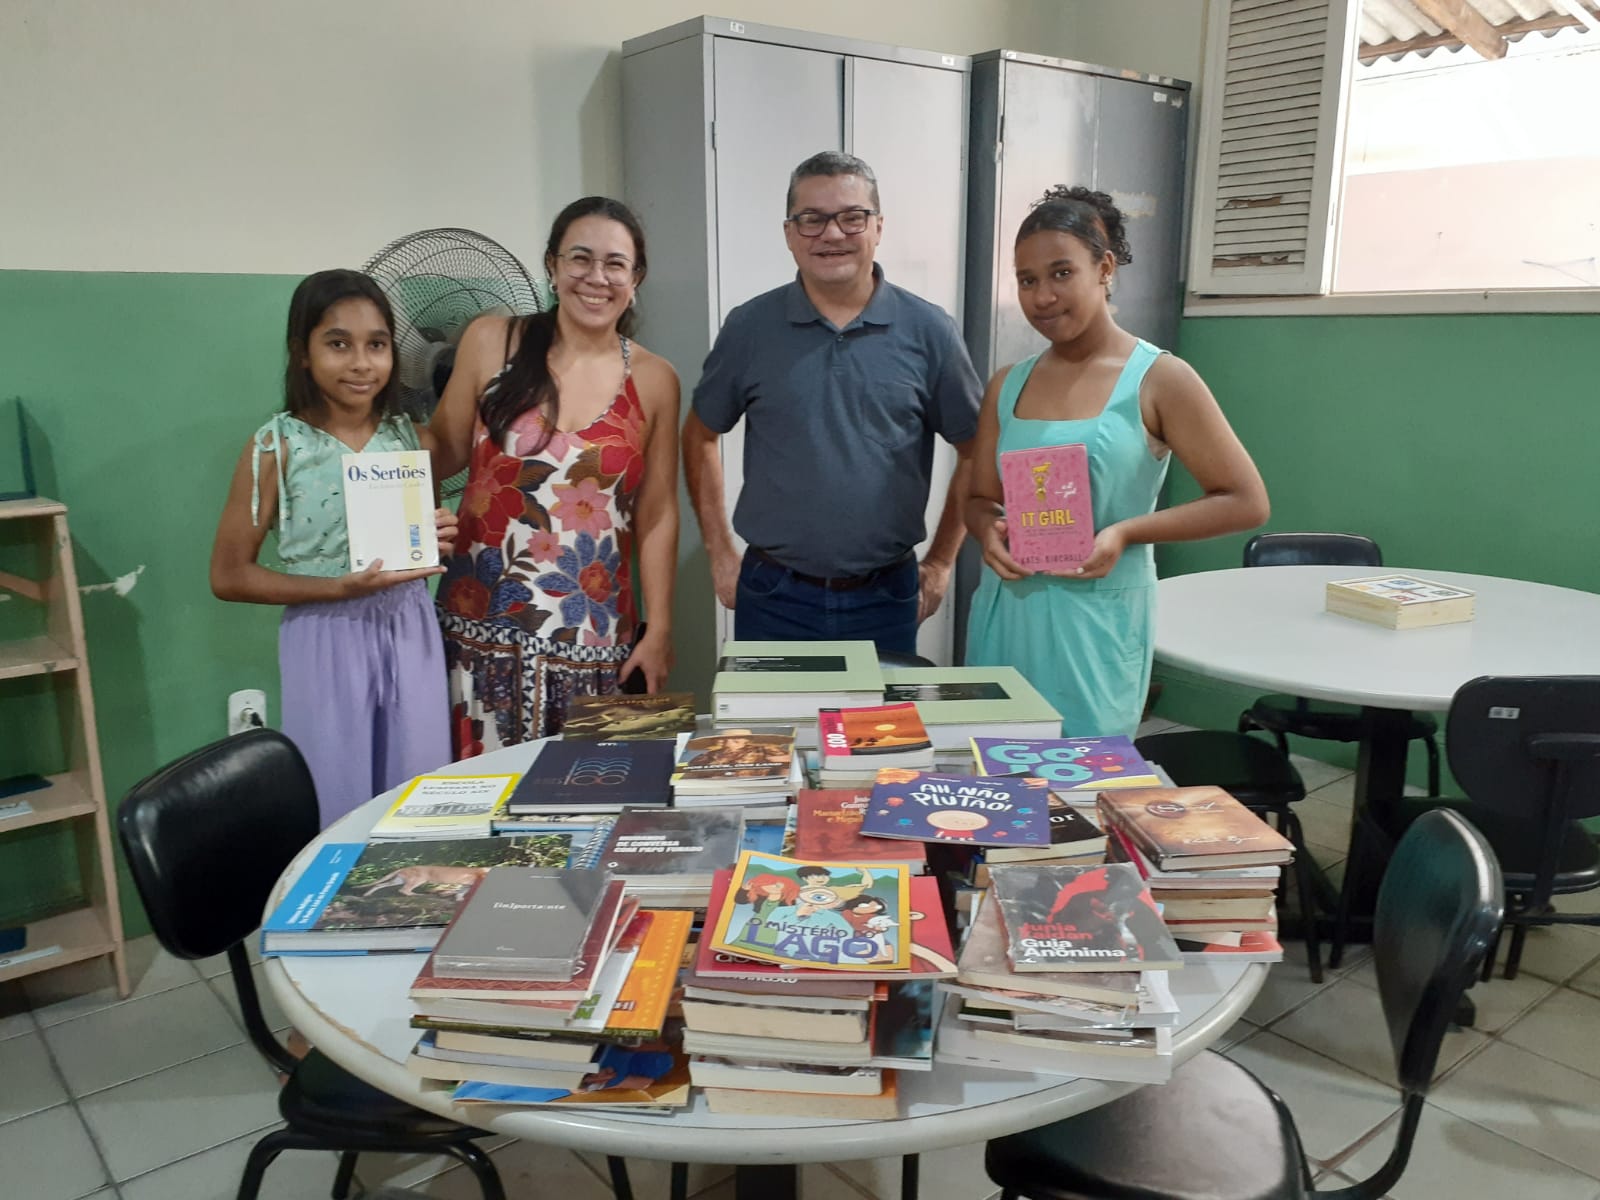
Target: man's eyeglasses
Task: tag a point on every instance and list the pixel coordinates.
(850, 220)
(580, 264)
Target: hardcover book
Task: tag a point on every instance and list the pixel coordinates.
(626, 718)
(793, 679)
(595, 777)
(1049, 517)
(1399, 601)
(1069, 764)
(839, 916)
(442, 805)
(673, 841)
(1194, 827)
(524, 923)
(356, 898)
(828, 827)
(932, 806)
(388, 508)
(1063, 918)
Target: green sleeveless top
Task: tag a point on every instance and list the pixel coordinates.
(312, 536)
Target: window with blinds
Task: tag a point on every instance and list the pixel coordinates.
(1271, 146)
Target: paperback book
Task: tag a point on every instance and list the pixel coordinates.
(733, 760)
(446, 806)
(1399, 601)
(780, 680)
(672, 842)
(828, 827)
(932, 806)
(522, 923)
(985, 964)
(876, 735)
(626, 718)
(1072, 835)
(388, 509)
(595, 777)
(1068, 764)
(1193, 828)
(1049, 515)
(1061, 918)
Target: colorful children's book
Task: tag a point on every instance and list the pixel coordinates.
(356, 899)
(932, 806)
(626, 718)
(1069, 764)
(828, 826)
(1064, 918)
(595, 777)
(649, 1076)
(1049, 517)
(388, 508)
(832, 915)
(446, 806)
(1194, 828)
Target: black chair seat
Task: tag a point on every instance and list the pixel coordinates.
(1517, 844)
(1255, 772)
(1234, 1140)
(1324, 720)
(322, 1095)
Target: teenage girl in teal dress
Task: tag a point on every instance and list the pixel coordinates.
(1085, 639)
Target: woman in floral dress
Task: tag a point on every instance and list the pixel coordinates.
(570, 431)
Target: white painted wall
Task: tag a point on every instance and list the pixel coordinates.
(289, 136)
(1159, 37)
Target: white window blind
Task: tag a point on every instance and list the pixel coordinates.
(1269, 169)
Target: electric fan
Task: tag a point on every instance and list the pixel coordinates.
(437, 281)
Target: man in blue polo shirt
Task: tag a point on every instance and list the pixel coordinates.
(843, 380)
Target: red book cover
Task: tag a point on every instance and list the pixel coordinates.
(828, 829)
(1049, 519)
(868, 732)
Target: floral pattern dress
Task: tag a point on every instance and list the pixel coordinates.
(537, 603)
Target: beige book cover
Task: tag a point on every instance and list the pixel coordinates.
(388, 508)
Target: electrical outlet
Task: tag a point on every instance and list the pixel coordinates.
(247, 710)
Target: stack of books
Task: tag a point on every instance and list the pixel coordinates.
(813, 985)
(783, 685)
(1064, 972)
(938, 806)
(1075, 839)
(854, 743)
(1210, 863)
(552, 987)
(736, 767)
(1400, 601)
(828, 829)
(958, 704)
(667, 857)
(1077, 769)
(593, 778)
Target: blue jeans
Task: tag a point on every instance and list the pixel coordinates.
(773, 606)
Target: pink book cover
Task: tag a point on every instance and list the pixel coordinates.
(1049, 521)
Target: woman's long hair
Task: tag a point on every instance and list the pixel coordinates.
(312, 299)
(527, 382)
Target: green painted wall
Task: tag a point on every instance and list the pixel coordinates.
(139, 391)
(1461, 443)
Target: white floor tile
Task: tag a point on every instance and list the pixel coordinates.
(222, 985)
(1317, 774)
(1333, 1105)
(1341, 792)
(1556, 952)
(652, 1177)
(134, 1038)
(526, 1169)
(1541, 1104)
(1501, 1001)
(1325, 825)
(1588, 981)
(1288, 986)
(1564, 1026)
(49, 1156)
(1346, 1023)
(1455, 1158)
(28, 1081)
(86, 987)
(951, 1173)
(16, 1015)
(217, 964)
(215, 1174)
(183, 1110)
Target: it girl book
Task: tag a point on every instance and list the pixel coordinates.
(1049, 521)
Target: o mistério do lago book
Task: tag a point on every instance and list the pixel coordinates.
(840, 916)
(1063, 918)
(1069, 764)
(595, 777)
(932, 806)
(388, 507)
(1049, 518)
(354, 898)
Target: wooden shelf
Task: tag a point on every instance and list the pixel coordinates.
(34, 656)
(61, 801)
(33, 506)
(81, 934)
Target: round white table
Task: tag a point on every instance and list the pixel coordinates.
(1266, 627)
(355, 1010)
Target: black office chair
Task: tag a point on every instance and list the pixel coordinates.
(1216, 1132)
(1260, 777)
(206, 839)
(1323, 720)
(1526, 751)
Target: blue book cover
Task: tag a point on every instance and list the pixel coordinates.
(933, 806)
(317, 885)
(1068, 764)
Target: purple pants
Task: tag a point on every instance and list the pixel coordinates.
(364, 692)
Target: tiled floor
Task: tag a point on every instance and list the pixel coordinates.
(159, 1097)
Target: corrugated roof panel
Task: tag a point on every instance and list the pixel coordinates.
(1393, 23)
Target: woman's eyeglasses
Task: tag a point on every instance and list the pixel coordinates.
(580, 264)
(850, 220)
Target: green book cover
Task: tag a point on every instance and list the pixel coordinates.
(967, 695)
(797, 667)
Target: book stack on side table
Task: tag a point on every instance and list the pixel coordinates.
(1210, 863)
(1399, 601)
(813, 985)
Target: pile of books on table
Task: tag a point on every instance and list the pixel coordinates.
(1210, 863)
(1076, 769)
(781, 686)
(957, 704)
(1064, 971)
(854, 743)
(813, 985)
(552, 987)
(740, 768)
(667, 857)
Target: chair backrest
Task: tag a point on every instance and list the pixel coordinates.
(207, 837)
(1312, 550)
(1528, 745)
(1438, 909)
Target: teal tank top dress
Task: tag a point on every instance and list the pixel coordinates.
(1086, 644)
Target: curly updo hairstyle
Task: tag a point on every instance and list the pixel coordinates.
(1090, 216)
